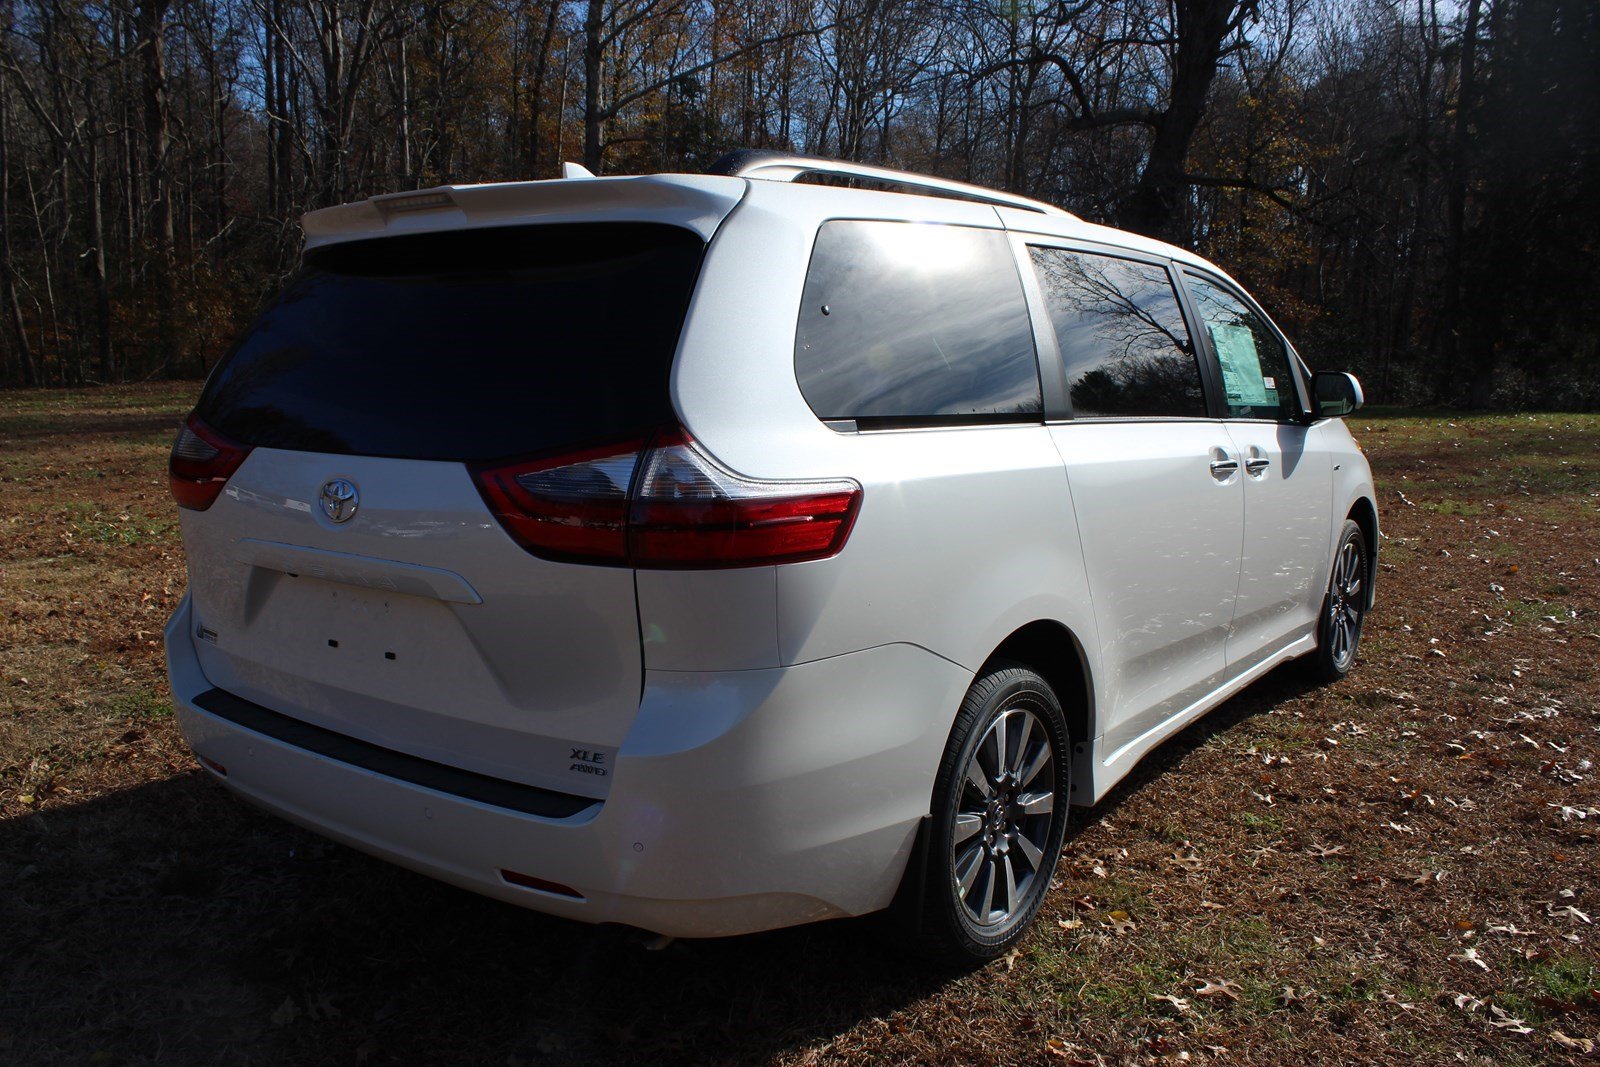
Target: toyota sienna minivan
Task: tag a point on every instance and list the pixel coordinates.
(715, 553)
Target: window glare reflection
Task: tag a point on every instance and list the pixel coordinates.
(910, 320)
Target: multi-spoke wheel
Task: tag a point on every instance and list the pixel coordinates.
(999, 814)
(1344, 608)
(1004, 816)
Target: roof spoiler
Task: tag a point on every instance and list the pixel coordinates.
(697, 202)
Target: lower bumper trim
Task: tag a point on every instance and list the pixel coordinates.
(470, 785)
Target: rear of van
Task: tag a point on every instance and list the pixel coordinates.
(418, 499)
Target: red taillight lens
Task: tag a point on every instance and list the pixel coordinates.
(690, 511)
(201, 463)
(568, 507)
(665, 504)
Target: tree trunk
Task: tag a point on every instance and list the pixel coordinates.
(157, 122)
(593, 51)
(104, 356)
(152, 25)
(1152, 205)
(536, 89)
(8, 272)
(1479, 371)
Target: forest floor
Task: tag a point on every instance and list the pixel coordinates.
(1397, 869)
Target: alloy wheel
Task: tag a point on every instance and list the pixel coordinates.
(1346, 595)
(1004, 818)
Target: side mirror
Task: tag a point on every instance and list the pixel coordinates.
(1335, 394)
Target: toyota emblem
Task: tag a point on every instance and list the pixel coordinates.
(340, 498)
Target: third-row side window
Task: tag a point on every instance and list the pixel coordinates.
(1123, 342)
(913, 322)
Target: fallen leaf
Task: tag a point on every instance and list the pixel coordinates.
(1177, 1004)
(1585, 1045)
(1567, 911)
(1069, 924)
(1120, 922)
(1225, 987)
(1187, 860)
(1470, 955)
(1503, 1020)
(1290, 998)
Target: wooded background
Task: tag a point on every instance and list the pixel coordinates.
(1412, 187)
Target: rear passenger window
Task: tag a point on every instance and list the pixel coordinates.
(1125, 348)
(1256, 376)
(908, 323)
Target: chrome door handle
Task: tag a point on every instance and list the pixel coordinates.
(1256, 466)
(1224, 468)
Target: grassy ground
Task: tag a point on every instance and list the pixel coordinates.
(1397, 869)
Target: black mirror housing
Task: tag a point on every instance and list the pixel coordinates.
(1335, 394)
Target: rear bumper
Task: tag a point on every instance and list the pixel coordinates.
(741, 800)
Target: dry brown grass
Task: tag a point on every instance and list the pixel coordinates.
(1395, 849)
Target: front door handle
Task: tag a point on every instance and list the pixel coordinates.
(1224, 468)
(1256, 466)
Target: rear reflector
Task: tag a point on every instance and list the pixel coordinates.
(528, 881)
(215, 766)
(201, 463)
(665, 503)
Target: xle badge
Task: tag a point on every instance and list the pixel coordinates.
(589, 761)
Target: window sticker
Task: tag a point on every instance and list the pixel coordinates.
(1242, 379)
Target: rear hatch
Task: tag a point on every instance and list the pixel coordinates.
(349, 572)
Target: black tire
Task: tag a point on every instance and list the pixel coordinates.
(1344, 607)
(1014, 835)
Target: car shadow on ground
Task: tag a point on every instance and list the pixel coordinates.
(172, 923)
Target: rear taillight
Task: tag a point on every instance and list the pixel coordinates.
(201, 463)
(665, 503)
(690, 511)
(568, 507)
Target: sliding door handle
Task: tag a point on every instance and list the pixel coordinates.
(1256, 466)
(1223, 469)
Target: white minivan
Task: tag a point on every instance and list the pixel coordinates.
(715, 553)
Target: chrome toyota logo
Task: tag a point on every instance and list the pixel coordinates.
(340, 499)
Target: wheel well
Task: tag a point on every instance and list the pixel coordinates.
(1051, 649)
(1366, 516)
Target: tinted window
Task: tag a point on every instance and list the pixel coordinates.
(1256, 377)
(915, 322)
(465, 345)
(1122, 337)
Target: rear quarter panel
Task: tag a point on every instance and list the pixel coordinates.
(964, 535)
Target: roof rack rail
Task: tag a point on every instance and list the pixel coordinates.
(787, 166)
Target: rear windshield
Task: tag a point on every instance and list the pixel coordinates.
(464, 345)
